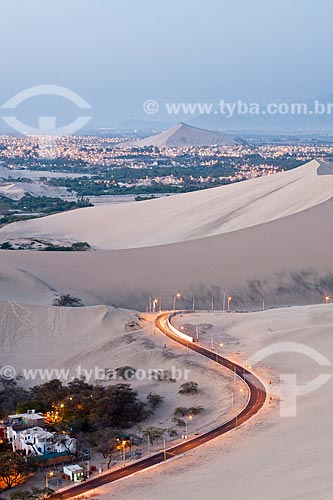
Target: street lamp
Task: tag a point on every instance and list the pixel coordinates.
(164, 449)
(155, 301)
(229, 302)
(327, 299)
(189, 418)
(49, 475)
(124, 451)
(177, 296)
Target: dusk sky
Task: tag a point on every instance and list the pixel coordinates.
(117, 54)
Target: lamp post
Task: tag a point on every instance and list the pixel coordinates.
(155, 302)
(148, 444)
(164, 448)
(327, 299)
(177, 296)
(229, 302)
(124, 452)
(48, 475)
(189, 418)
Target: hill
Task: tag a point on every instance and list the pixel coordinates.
(270, 457)
(267, 238)
(183, 135)
(186, 216)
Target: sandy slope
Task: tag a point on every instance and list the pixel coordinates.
(269, 457)
(183, 135)
(286, 261)
(187, 216)
(11, 173)
(98, 338)
(16, 190)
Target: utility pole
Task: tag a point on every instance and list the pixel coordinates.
(223, 304)
(193, 308)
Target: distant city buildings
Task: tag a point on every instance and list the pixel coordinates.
(113, 170)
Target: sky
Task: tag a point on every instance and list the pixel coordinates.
(117, 54)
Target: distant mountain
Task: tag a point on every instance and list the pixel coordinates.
(183, 135)
(292, 121)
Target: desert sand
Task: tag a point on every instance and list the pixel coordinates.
(286, 261)
(271, 456)
(16, 190)
(187, 216)
(42, 343)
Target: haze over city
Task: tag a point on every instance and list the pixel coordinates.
(118, 54)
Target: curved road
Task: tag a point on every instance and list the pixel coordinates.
(255, 403)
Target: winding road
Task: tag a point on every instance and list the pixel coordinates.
(256, 400)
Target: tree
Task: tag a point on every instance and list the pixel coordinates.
(195, 410)
(179, 421)
(154, 400)
(68, 443)
(118, 406)
(35, 493)
(154, 434)
(10, 395)
(107, 443)
(13, 468)
(49, 394)
(181, 411)
(67, 300)
(189, 388)
(125, 372)
(24, 406)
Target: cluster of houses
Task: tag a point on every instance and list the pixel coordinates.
(26, 433)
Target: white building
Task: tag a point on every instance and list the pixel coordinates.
(38, 441)
(29, 419)
(74, 472)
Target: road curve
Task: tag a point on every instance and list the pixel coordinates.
(257, 397)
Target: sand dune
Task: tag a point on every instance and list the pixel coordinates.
(267, 238)
(16, 190)
(183, 135)
(186, 216)
(270, 457)
(285, 261)
(66, 343)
